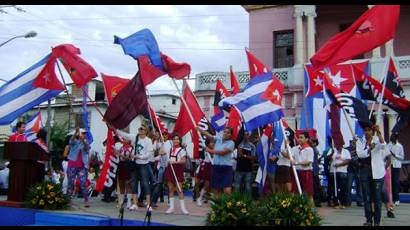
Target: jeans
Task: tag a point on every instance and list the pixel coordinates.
(395, 180)
(350, 177)
(271, 178)
(146, 188)
(331, 189)
(142, 175)
(243, 178)
(158, 186)
(371, 191)
(341, 179)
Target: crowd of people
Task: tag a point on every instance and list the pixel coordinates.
(151, 159)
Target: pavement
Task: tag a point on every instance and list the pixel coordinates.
(351, 216)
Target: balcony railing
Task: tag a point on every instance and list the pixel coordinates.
(294, 76)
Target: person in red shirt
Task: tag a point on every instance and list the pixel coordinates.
(19, 135)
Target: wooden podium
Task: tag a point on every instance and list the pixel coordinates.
(24, 169)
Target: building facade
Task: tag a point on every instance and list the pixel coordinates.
(284, 37)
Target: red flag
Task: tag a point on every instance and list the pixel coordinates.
(113, 85)
(149, 72)
(129, 103)
(174, 69)
(47, 78)
(374, 28)
(234, 83)
(235, 122)
(256, 67)
(195, 141)
(106, 166)
(184, 124)
(157, 121)
(80, 71)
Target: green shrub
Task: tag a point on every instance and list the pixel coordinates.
(287, 210)
(277, 210)
(46, 195)
(234, 210)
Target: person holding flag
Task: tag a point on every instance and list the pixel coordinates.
(177, 156)
(222, 173)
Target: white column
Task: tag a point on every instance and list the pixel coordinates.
(376, 53)
(310, 12)
(298, 13)
(389, 48)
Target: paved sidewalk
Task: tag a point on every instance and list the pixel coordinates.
(351, 216)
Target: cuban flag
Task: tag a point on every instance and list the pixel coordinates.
(19, 95)
(33, 125)
(220, 116)
(263, 149)
(259, 102)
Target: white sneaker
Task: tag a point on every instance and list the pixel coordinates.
(397, 203)
(199, 202)
(133, 207)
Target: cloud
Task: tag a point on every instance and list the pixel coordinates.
(209, 38)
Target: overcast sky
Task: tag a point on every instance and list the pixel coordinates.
(209, 38)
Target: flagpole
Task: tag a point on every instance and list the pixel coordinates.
(152, 122)
(291, 157)
(189, 112)
(385, 71)
(68, 96)
(162, 141)
(305, 99)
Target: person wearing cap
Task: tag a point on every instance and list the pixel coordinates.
(78, 163)
(19, 134)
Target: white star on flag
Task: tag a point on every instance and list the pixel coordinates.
(337, 79)
(318, 81)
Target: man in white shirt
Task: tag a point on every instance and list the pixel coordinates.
(143, 151)
(340, 160)
(371, 152)
(397, 153)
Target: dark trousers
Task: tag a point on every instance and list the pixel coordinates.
(350, 177)
(371, 192)
(331, 189)
(395, 180)
(341, 179)
(158, 186)
(317, 189)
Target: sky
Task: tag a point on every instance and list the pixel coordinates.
(209, 38)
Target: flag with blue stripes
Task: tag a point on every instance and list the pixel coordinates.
(89, 136)
(263, 149)
(19, 95)
(33, 125)
(255, 108)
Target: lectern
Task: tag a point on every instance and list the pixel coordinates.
(24, 169)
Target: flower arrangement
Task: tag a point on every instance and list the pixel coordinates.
(46, 195)
(287, 210)
(277, 210)
(234, 210)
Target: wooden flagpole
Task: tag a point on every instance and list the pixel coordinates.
(71, 111)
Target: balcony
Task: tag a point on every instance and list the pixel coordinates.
(294, 76)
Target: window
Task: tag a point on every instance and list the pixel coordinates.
(174, 101)
(283, 49)
(343, 27)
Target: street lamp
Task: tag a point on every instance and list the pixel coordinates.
(27, 35)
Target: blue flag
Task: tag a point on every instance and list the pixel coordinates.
(85, 116)
(141, 43)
